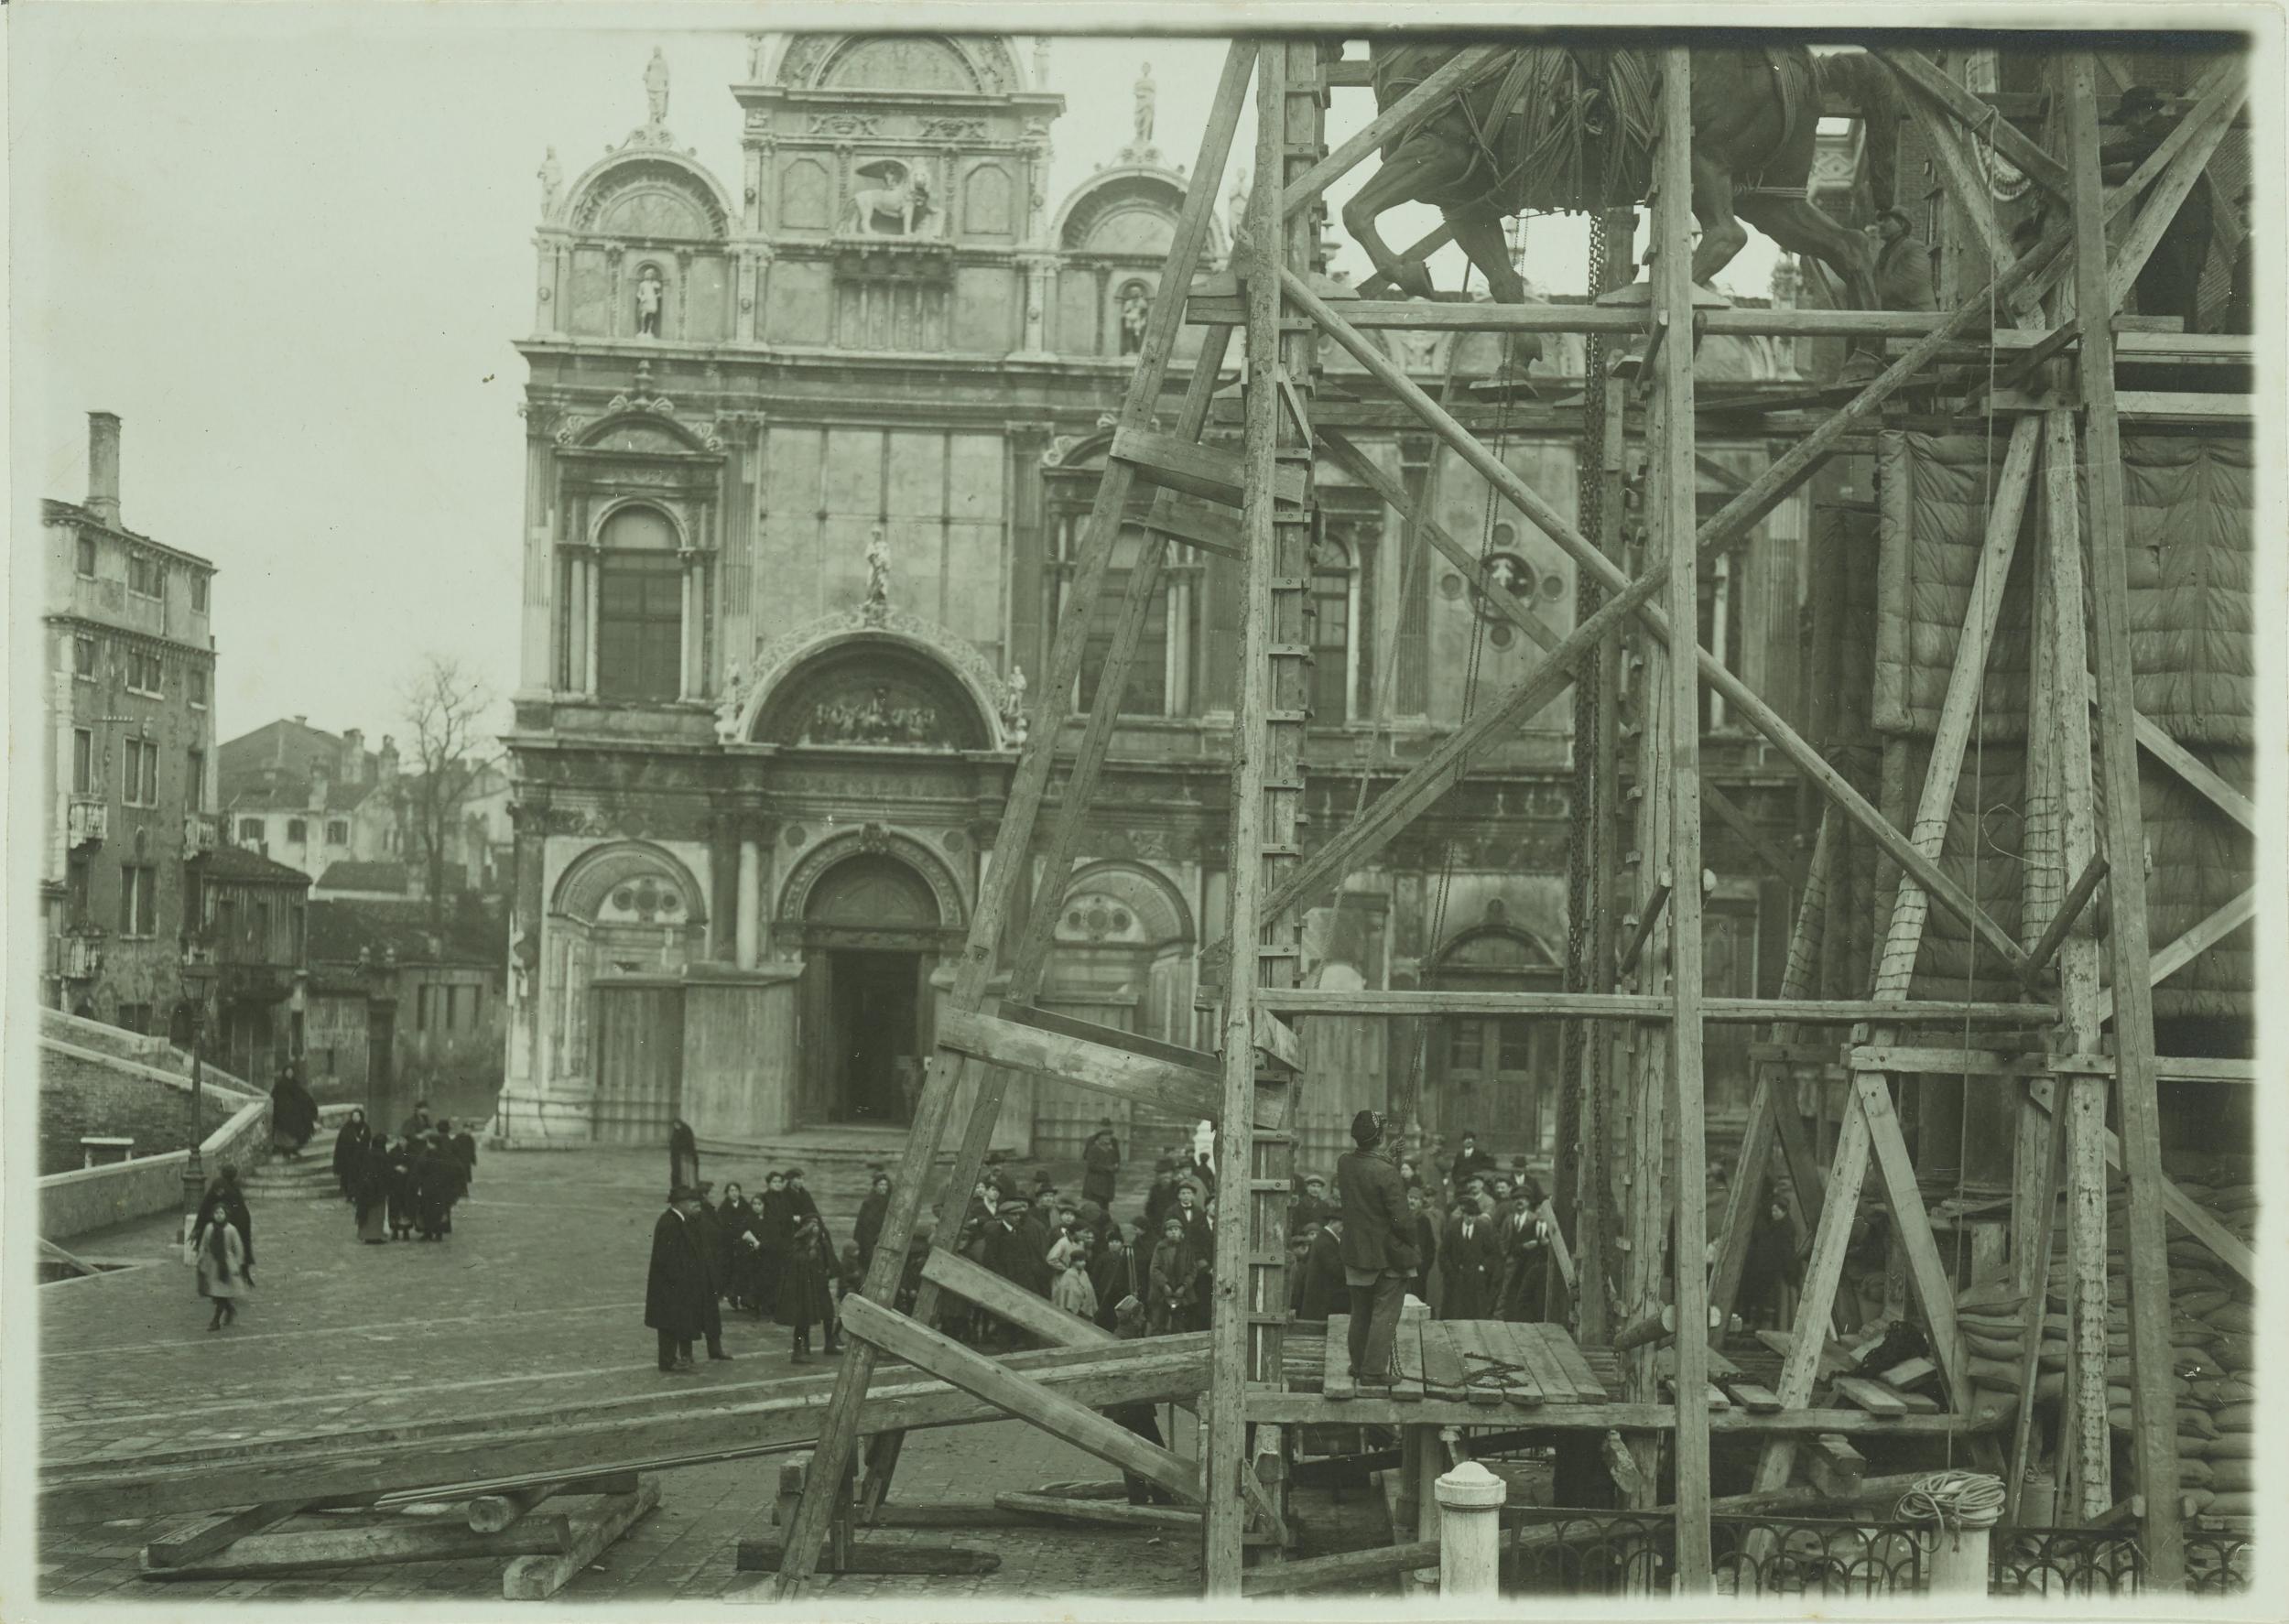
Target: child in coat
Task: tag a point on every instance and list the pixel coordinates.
(223, 1272)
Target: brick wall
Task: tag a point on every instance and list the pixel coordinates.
(97, 1197)
(84, 1092)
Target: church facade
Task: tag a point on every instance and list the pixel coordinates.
(808, 455)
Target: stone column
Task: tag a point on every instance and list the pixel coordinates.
(1469, 1531)
(750, 903)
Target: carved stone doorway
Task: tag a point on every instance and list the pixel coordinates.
(873, 1000)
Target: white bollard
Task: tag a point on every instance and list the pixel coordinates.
(1469, 1531)
(1959, 1562)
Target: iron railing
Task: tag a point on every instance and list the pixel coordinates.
(1562, 1551)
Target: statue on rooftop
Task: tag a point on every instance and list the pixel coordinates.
(551, 176)
(1147, 93)
(655, 85)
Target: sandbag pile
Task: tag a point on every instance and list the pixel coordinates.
(2213, 1340)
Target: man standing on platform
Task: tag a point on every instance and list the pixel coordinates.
(1377, 1245)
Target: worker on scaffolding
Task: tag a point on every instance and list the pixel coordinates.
(2169, 284)
(1377, 1246)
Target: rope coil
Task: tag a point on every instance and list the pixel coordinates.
(1955, 1501)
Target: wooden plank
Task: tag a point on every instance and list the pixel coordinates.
(466, 1452)
(1733, 520)
(1032, 1402)
(1872, 1396)
(1209, 473)
(1838, 1469)
(1133, 1078)
(1911, 1224)
(263, 1555)
(539, 1578)
(2055, 934)
(1277, 1041)
(1919, 72)
(1406, 1348)
(838, 1430)
(1007, 1300)
(1443, 1376)
(1489, 1367)
(1631, 1006)
(2195, 771)
(193, 1545)
(875, 1556)
(1579, 1375)
(1652, 1415)
(2181, 952)
(1335, 1379)
(1904, 1059)
(1108, 1514)
(1754, 1398)
(2153, 1443)
(1198, 524)
(1522, 1344)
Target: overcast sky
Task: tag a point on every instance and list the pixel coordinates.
(291, 245)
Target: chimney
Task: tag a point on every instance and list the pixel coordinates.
(385, 763)
(317, 786)
(353, 755)
(102, 466)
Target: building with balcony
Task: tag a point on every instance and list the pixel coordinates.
(247, 917)
(126, 763)
(809, 456)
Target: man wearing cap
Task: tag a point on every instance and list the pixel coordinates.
(2170, 282)
(1471, 1163)
(676, 1287)
(1903, 269)
(1375, 1246)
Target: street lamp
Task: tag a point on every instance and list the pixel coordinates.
(195, 961)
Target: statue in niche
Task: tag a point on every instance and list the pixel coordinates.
(1133, 312)
(649, 297)
(755, 44)
(1041, 61)
(552, 177)
(655, 85)
(877, 604)
(732, 701)
(1014, 716)
(904, 195)
(1147, 93)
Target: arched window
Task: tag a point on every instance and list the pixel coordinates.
(1333, 610)
(639, 608)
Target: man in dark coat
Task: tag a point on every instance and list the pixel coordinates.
(871, 1213)
(683, 1153)
(293, 1114)
(1470, 1260)
(350, 1153)
(1771, 1265)
(1425, 1241)
(1101, 1159)
(676, 1289)
(1469, 1162)
(1162, 1198)
(1187, 1212)
(1525, 1254)
(415, 1125)
(2169, 284)
(1008, 1248)
(1377, 1253)
(1127, 1321)
(1324, 1290)
(1903, 268)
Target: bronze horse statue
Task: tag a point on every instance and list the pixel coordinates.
(1571, 126)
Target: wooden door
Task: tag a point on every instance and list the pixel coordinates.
(639, 1049)
(1498, 1073)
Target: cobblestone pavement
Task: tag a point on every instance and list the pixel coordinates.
(536, 1300)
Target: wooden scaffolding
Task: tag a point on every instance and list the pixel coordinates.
(2048, 315)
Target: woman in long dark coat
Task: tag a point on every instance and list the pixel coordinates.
(683, 1156)
(350, 1154)
(293, 1114)
(736, 1220)
(774, 1229)
(369, 1191)
(404, 1192)
(804, 1295)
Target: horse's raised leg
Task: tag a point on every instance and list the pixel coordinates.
(1722, 235)
(1479, 234)
(1402, 178)
(1801, 226)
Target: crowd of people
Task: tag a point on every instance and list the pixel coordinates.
(769, 1255)
(403, 1187)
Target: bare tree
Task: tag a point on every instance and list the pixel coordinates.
(451, 746)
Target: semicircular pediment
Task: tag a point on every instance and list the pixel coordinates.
(872, 691)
